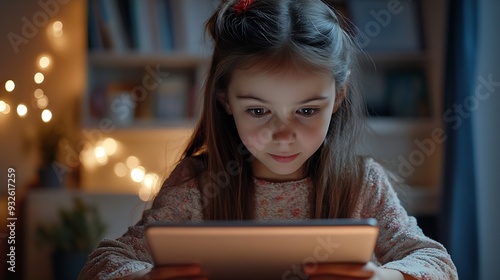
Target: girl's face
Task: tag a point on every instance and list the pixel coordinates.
(281, 117)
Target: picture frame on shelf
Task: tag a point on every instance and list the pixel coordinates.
(383, 26)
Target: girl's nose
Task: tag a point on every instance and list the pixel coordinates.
(283, 132)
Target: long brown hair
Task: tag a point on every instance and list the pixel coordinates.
(305, 34)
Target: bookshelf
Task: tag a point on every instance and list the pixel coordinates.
(395, 135)
(115, 61)
(144, 56)
(147, 81)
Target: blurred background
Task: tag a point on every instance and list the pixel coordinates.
(98, 98)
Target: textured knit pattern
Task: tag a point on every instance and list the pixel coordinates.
(401, 245)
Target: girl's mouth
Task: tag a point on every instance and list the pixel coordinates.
(284, 159)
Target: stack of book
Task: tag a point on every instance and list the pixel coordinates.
(149, 26)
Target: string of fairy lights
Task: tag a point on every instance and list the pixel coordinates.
(93, 154)
(40, 100)
(99, 154)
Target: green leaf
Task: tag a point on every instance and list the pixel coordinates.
(80, 228)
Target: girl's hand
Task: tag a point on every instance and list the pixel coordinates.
(340, 271)
(192, 272)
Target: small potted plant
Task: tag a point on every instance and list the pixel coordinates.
(75, 235)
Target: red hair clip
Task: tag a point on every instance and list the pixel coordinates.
(242, 6)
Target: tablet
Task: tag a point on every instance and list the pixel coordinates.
(261, 250)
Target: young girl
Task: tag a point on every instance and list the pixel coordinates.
(276, 141)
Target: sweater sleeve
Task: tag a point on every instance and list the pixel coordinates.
(401, 244)
(177, 201)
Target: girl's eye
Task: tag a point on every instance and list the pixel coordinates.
(258, 112)
(308, 112)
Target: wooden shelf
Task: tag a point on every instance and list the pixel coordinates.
(394, 125)
(151, 134)
(148, 125)
(136, 59)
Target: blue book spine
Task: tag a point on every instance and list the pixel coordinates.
(165, 26)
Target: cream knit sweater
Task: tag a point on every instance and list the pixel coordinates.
(401, 245)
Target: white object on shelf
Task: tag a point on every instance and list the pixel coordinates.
(121, 107)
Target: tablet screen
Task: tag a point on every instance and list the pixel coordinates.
(262, 250)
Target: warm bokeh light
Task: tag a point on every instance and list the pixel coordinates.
(57, 28)
(121, 169)
(150, 180)
(132, 162)
(137, 174)
(42, 102)
(46, 115)
(145, 194)
(44, 62)
(22, 110)
(110, 146)
(38, 93)
(3, 106)
(10, 85)
(87, 157)
(39, 78)
(102, 161)
(100, 155)
(7, 109)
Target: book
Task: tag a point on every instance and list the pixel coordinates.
(126, 21)
(152, 10)
(141, 26)
(113, 24)
(170, 97)
(94, 29)
(165, 25)
(188, 20)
